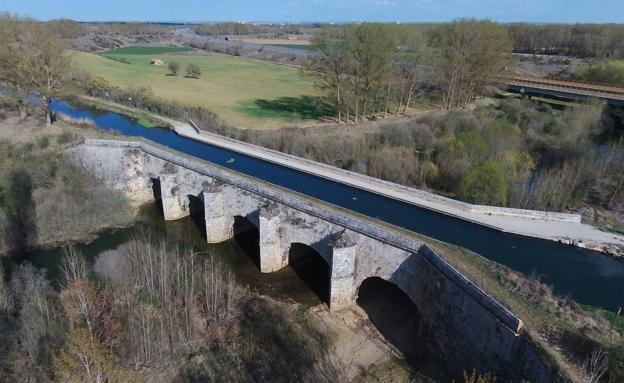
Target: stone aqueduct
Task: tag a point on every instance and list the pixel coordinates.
(459, 320)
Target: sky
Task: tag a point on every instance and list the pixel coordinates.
(538, 11)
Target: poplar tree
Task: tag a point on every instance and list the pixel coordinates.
(33, 58)
(472, 54)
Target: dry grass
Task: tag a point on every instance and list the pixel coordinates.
(68, 204)
(564, 333)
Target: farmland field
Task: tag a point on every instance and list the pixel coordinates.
(294, 46)
(262, 41)
(145, 50)
(245, 93)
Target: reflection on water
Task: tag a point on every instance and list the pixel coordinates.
(282, 285)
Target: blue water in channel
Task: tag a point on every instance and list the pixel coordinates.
(586, 276)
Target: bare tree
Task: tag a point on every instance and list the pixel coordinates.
(331, 66)
(40, 62)
(596, 365)
(413, 67)
(9, 59)
(472, 54)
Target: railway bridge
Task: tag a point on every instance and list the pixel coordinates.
(564, 89)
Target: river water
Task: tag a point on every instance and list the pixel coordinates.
(282, 285)
(586, 276)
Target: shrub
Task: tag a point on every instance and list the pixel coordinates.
(65, 138)
(610, 72)
(484, 184)
(43, 142)
(479, 378)
(616, 363)
(193, 71)
(174, 67)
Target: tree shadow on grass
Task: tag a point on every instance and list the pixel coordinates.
(290, 108)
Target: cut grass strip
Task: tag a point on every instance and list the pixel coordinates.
(147, 50)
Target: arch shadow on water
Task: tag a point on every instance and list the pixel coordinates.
(313, 270)
(393, 313)
(197, 213)
(248, 237)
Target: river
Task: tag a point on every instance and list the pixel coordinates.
(282, 285)
(586, 276)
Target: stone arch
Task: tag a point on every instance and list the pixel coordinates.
(197, 212)
(312, 268)
(247, 234)
(393, 313)
(157, 193)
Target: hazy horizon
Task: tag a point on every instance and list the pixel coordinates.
(323, 11)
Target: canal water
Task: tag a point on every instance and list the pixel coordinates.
(586, 276)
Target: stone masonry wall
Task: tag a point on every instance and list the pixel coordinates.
(460, 322)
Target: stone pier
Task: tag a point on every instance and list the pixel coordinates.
(219, 221)
(459, 320)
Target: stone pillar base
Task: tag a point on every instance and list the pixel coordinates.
(272, 256)
(341, 292)
(175, 205)
(219, 222)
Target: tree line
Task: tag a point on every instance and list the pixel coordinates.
(231, 28)
(368, 71)
(580, 40)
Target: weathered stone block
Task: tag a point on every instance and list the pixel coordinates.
(272, 253)
(219, 220)
(342, 271)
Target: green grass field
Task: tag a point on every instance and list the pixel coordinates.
(295, 46)
(245, 93)
(145, 50)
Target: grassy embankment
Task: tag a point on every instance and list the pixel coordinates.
(44, 199)
(245, 93)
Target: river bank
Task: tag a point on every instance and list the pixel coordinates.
(47, 200)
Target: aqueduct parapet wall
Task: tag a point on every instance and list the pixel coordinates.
(460, 321)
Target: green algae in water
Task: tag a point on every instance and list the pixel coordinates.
(146, 122)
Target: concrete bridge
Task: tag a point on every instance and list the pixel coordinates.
(458, 320)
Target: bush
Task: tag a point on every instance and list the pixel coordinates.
(610, 72)
(43, 142)
(484, 184)
(193, 71)
(616, 363)
(174, 67)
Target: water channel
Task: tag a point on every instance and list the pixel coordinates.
(586, 276)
